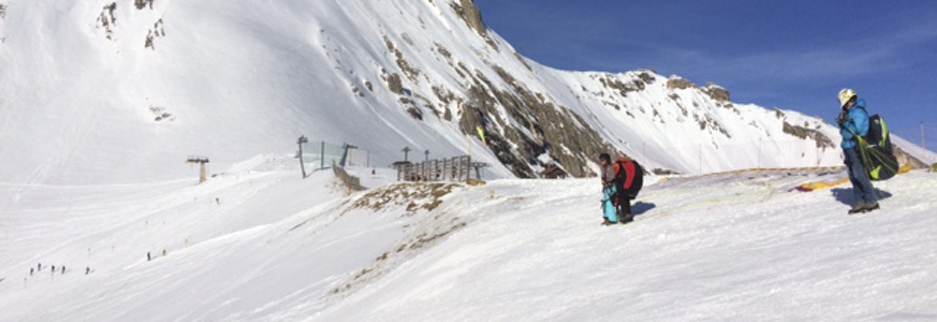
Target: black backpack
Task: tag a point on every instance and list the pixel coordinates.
(878, 134)
(637, 182)
(879, 157)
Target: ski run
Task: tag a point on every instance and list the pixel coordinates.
(262, 244)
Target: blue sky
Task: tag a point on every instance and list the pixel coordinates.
(793, 54)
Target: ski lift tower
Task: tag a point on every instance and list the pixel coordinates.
(406, 153)
(346, 147)
(478, 166)
(203, 173)
(300, 142)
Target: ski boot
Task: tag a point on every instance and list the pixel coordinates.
(626, 218)
(858, 208)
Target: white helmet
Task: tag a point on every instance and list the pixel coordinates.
(845, 95)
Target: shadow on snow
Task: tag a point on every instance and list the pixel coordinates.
(847, 196)
(641, 207)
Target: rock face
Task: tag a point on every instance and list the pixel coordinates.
(3, 14)
(535, 127)
(905, 158)
(427, 73)
(716, 92)
(679, 83)
(806, 133)
(472, 16)
(468, 11)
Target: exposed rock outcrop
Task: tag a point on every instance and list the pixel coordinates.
(716, 92)
(678, 83)
(107, 20)
(805, 133)
(3, 14)
(142, 4)
(467, 10)
(905, 158)
(542, 128)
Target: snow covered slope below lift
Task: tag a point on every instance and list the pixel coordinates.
(275, 247)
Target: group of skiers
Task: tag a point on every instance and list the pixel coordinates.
(39, 268)
(33, 271)
(622, 179)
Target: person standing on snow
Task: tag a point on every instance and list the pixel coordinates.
(609, 190)
(626, 173)
(853, 121)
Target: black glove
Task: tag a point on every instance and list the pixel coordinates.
(842, 119)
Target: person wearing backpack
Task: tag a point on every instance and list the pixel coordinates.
(609, 190)
(853, 123)
(629, 179)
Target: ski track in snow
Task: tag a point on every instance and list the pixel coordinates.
(729, 247)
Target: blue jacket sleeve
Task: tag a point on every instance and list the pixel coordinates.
(857, 123)
(844, 131)
(859, 118)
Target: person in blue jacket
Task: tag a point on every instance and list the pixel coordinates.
(609, 191)
(853, 121)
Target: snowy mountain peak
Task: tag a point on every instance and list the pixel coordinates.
(123, 91)
(109, 111)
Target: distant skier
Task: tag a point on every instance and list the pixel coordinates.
(853, 121)
(609, 191)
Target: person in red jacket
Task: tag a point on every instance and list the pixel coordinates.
(627, 172)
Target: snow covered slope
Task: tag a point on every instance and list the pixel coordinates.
(916, 151)
(87, 98)
(263, 245)
(124, 91)
(725, 248)
(101, 102)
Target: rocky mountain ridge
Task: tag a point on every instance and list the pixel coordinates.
(233, 81)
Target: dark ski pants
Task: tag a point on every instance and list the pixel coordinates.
(624, 200)
(862, 188)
